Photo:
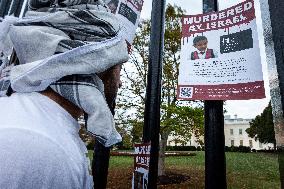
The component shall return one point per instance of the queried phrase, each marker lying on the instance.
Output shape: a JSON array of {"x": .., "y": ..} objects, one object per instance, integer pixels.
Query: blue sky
[{"x": 244, "y": 108}]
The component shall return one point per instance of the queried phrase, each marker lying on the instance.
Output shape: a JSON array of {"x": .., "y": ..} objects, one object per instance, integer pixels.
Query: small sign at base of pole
[{"x": 141, "y": 166}]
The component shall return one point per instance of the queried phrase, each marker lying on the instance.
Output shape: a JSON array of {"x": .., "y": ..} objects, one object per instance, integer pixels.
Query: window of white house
[
  {"x": 260, "y": 145},
  {"x": 241, "y": 142},
  {"x": 232, "y": 143},
  {"x": 240, "y": 131},
  {"x": 231, "y": 131},
  {"x": 250, "y": 143}
]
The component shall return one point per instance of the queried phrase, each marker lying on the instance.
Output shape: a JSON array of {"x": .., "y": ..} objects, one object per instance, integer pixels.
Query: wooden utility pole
[{"x": 215, "y": 160}]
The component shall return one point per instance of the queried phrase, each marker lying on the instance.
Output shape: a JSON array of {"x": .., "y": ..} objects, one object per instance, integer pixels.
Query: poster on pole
[
  {"x": 220, "y": 56},
  {"x": 141, "y": 166},
  {"x": 128, "y": 11}
]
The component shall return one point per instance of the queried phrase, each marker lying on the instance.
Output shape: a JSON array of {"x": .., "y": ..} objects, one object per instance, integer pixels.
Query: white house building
[{"x": 235, "y": 135}]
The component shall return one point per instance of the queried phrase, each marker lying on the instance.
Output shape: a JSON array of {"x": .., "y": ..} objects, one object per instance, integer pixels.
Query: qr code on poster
[{"x": 186, "y": 92}]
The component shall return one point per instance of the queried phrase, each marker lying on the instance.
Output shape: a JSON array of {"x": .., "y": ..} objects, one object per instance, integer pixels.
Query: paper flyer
[
  {"x": 141, "y": 166},
  {"x": 220, "y": 56},
  {"x": 128, "y": 11}
]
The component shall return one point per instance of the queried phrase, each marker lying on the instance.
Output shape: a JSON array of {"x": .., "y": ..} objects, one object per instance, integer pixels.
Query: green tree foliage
[
  {"x": 262, "y": 127},
  {"x": 181, "y": 119}
]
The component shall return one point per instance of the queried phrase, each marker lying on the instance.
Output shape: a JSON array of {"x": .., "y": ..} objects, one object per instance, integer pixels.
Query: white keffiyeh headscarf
[{"x": 64, "y": 46}]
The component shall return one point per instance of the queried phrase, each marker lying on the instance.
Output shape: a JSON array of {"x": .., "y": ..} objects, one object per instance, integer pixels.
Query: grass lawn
[{"x": 244, "y": 171}]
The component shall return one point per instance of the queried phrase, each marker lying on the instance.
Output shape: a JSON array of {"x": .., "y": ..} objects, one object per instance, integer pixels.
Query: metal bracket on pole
[
  {"x": 215, "y": 160},
  {"x": 153, "y": 92}
]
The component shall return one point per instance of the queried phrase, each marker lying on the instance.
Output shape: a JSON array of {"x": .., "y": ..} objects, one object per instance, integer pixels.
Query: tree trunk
[{"x": 163, "y": 144}]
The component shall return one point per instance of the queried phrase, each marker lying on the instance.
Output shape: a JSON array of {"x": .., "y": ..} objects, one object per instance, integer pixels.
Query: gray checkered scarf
[{"x": 64, "y": 45}]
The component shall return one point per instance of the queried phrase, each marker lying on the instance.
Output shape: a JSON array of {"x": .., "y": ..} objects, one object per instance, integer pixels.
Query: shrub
[
  {"x": 198, "y": 148},
  {"x": 227, "y": 149},
  {"x": 181, "y": 148},
  {"x": 244, "y": 149},
  {"x": 121, "y": 146},
  {"x": 91, "y": 145},
  {"x": 267, "y": 151}
]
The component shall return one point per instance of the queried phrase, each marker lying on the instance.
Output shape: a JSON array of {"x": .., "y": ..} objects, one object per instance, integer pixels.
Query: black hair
[{"x": 199, "y": 38}]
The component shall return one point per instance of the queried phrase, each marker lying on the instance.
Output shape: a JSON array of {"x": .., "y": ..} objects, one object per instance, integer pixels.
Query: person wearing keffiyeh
[{"x": 63, "y": 46}]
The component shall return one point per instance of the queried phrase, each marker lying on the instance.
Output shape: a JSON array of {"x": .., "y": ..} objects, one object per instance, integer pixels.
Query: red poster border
[{"x": 256, "y": 91}]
